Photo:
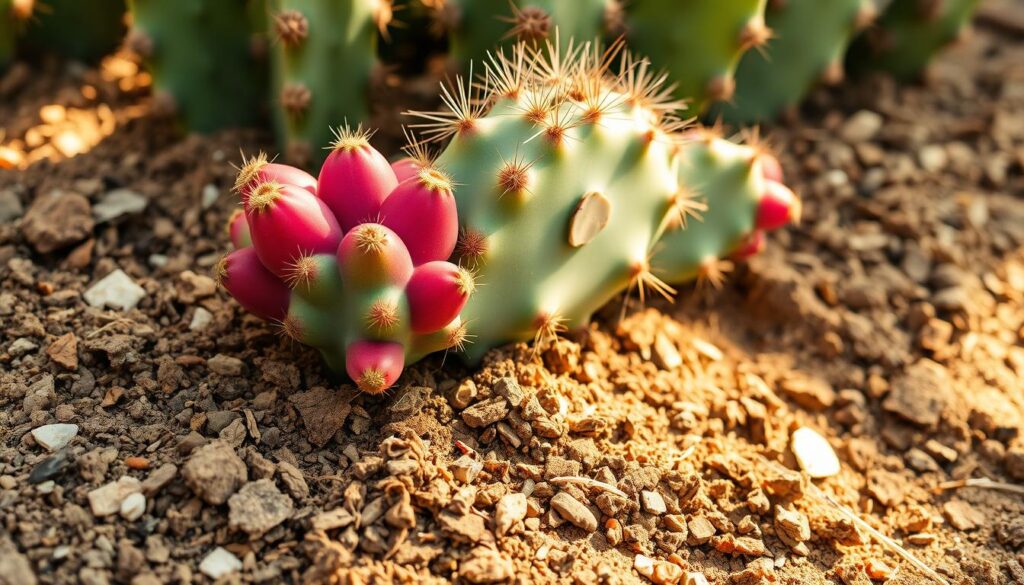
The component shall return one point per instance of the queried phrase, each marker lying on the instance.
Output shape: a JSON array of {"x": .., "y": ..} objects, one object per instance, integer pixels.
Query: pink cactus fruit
[
  {"x": 372, "y": 254},
  {"x": 437, "y": 292},
  {"x": 422, "y": 211},
  {"x": 751, "y": 245},
  {"x": 288, "y": 222},
  {"x": 258, "y": 170},
  {"x": 406, "y": 168},
  {"x": 778, "y": 207},
  {"x": 771, "y": 169},
  {"x": 252, "y": 285},
  {"x": 355, "y": 179},
  {"x": 374, "y": 365},
  {"x": 238, "y": 230}
]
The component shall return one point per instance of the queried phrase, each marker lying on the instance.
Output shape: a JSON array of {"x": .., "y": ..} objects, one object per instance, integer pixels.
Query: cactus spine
[
  {"x": 910, "y": 32},
  {"x": 699, "y": 42},
  {"x": 324, "y": 55},
  {"x": 199, "y": 53}
]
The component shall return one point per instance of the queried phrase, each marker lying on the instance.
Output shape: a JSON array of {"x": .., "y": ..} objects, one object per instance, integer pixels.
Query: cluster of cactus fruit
[{"x": 563, "y": 182}]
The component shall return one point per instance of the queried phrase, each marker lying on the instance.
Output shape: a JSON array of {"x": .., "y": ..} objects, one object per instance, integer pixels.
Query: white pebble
[
  {"x": 200, "y": 319},
  {"x": 813, "y": 453},
  {"x": 133, "y": 507},
  {"x": 116, "y": 290},
  {"x": 106, "y": 500},
  {"x": 55, "y": 437},
  {"x": 210, "y": 195},
  {"x": 219, "y": 562},
  {"x": 117, "y": 203}
]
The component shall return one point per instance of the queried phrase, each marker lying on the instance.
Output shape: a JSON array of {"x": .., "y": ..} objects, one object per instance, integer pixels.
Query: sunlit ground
[{"x": 64, "y": 132}]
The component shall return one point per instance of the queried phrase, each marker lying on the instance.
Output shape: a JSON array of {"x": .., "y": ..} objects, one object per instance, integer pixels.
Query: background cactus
[
  {"x": 699, "y": 42},
  {"x": 204, "y": 57},
  {"x": 85, "y": 31},
  {"x": 477, "y": 26},
  {"x": 324, "y": 55},
  {"x": 909, "y": 33},
  {"x": 809, "y": 40},
  {"x": 13, "y": 16},
  {"x": 371, "y": 296}
]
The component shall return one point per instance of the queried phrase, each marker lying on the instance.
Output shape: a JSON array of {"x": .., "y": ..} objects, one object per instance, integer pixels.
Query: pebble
[
  {"x": 219, "y": 562},
  {"x": 511, "y": 509},
  {"x": 258, "y": 507},
  {"x": 932, "y": 158},
  {"x": 701, "y": 530},
  {"x": 921, "y": 394},
  {"x": 10, "y": 206},
  {"x": 658, "y": 571},
  {"x": 226, "y": 365},
  {"x": 486, "y": 412},
  {"x": 210, "y": 195},
  {"x": 666, "y": 354},
  {"x": 133, "y": 507},
  {"x": 116, "y": 290},
  {"x": 21, "y": 346},
  {"x": 814, "y": 394},
  {"x": 861, "y": 127},
  {"x": 963, "y": 516},
  {"x": 695, "y": 579},
  {"x": 573, "y": 511},
  {"x": 486, "y": 565},
  {"x": 652, "y": 502},
  {"x": 64, "y": 351},
  {"x": 106, "y": 500},
  {"x": 57, "y": 220},
  {"x": 50, "y": 467},
  {"x": 214, "y": 472},
  {"x": 466, "y": 468},
  {"x": 117, "y": 203},
  {"x": 814, "y": 454},
  {"x": 56, "y": 436},
  {"x": 200, "y": 319}
]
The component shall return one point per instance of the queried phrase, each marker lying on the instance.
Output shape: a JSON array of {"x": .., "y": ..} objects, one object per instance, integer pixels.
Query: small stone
[
  {"x": 570, "y": 509},
  {"x": 218, "y": 563},
  {"x": 225, "y": 365},
  {"x": 486, "y": 412},
  {"x": 963, "y": 516},
  {"x": 57, "y": 220},
  {"x": 1014, "y": 463},
  {"x": 861, "y": 127},
  {"x": 695, "y": 579},
  {"x": 117, "y": 203},
  {"x": 591, "y": 215},
  {"x": 116, "y": 291},
  {"x": 652, "y": 502},
  {"x": 877, "y": 570},
  {"x": 64, "y": 351},
  {"x": 463, "y": 394},
  {"x": 920, "y": 395},
  {"x": 486, "y": 565},
  {"x": 218, "y": 420},
  {"x": 814, "y": 394},
  {"x": 10, "y": 206},
  {"x": 50, "y": 467},
  {"x": 56, "y": 436},
  {"x": 932, "y": 157},
  {"x": 466, "y": 468},
  {"x": 106, "y": 500},
  {"x": 511, "y": 508},
  {"x": 200, "y": 319},
  {"x": 214, "y": 472},
  {"x": 258, "y": 507},
  {"x": 193, "y": 287},
  {"x": 792, "y": 526},
  {"x": 666, "y": 354},
  {"x": 701, "y": 530},
  {"x": 21, "y": 346},
  {"x": 814, "y": 453},
  {"x": 511, "y": 390},
  {"x": 133, "y": 507}
]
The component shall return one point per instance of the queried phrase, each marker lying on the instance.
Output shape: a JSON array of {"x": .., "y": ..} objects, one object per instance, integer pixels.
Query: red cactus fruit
[
  {"x": 355, "y": 179},
  {"x": 252, "y": 285},
  {"x": 778, "y": 207},
  {"x": 238, "y": 230},
  {"x": 751, "y": 245},
  {"x": 437, "y": 292},
  {"x": 258, "y": 170},
  {"x": 422, "y": 211},
  {"x": 372, "y": 254},
  {"x": 288, "y": 222},
  {"x": 406, "y": 168},
  {"x": 374, "y": 365}
]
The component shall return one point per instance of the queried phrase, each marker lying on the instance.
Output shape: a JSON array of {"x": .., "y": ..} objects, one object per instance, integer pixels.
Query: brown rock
[
  {"x": 57, "y": 220},
  {"x": 486, "y": 412},
  {"x": 323, "y": 411},
  {"x": 886, "y": 487},
  {"x": 813, "y": 394},
  {"x": 570, "y": 509},
  {"x": 64, "y": 351},
  {"x": 258, "y": 507},
  {"x": 921, "y": 394},
  {"x": 485, "y": 565},
  {"x": 962, "y": 515},
  {"x": 701, "y": 530},
  {"x": 214, "y": 472}
]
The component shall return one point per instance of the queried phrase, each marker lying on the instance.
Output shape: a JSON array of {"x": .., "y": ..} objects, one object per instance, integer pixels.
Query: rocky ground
[{"x": 151, "y": 432}]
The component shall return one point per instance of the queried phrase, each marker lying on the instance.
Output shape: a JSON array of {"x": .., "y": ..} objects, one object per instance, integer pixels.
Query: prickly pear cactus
[
  {"x": 324, "y": 55},
  {"x": 739, "y": 194},
  {"x": 86, "y": 31},
  {"x": 699, "y": 42},
  {"x": 809, "y": 40},
  {"x": 352, "y": 262},
  {"x": 909, "y": 33},
  {"x": 565, "y": 186},
  {"x": 478, "y": 26},
  {"x": 199, "y": 52}
]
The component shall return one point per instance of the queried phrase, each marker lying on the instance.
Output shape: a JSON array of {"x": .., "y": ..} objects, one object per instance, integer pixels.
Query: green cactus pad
[
  {"x": 909, "y": 33},
  {"x": 809, "y": 38},
  {"x": 86, "y": 31},
  {"x": 324, "y": 54},
  {"x": 699, "y": 42},
  {"x": 13, "y": 16},
  {"x": 478, "y": 26},
  {"x": 202, "y": 58}
]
